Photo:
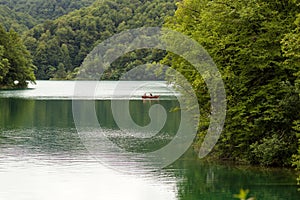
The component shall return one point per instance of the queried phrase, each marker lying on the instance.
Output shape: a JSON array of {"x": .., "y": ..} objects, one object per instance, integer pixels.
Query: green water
[{"x": 43, "y": 157}]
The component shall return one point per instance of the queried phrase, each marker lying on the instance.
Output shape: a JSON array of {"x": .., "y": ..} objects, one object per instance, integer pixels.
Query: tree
[
  {"x": 4, "y": 64},
  {"x": 61, "y": 72},
  {"x": 15, "y": 61}
]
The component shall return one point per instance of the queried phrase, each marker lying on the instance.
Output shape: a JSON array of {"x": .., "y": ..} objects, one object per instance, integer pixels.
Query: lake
[{"x": 43, "y": 156}]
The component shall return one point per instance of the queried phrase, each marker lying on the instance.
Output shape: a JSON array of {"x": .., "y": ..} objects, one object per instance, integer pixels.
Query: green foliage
[
  {"x": 21, "y": 15},
  {"x": 15, "y": 61},
  {"x": 245, "y": 40},
  {"x": 68, "y": 39},
  {"x": 42, "y": 10},
  {"x": 4, "y": 64},
  {"x": 134, "y": 59},
  {"x": 291, "y": 50},
  {"x": 61, "y": 72},
  {"x": 15, "y": 20},
  {"x": 243, "y": 195},
  {"x": 270, "y": 151}
]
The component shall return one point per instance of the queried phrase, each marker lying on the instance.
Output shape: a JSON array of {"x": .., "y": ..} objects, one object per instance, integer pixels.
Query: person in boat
[
  {"x": 145, "y": 94},
  {"x": 149, "y": 95}
]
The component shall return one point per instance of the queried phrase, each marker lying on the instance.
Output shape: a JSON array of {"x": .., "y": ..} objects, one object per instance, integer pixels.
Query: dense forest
[
  {"x": 59, "y": 47},
  {"x": 254, "y": 43},
  {"x": 17, "y": 21},
  {"x": 25, "y": 14}
]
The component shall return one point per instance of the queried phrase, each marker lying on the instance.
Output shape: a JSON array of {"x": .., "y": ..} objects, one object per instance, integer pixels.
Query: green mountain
[
  {"x": 18, "y": 21},
  {"x": 31, "y": 12},
  {"x": 59, "y": 46}
]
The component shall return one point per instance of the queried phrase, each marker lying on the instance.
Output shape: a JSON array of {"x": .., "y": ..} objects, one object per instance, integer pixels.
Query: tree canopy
[
  {"x": 255, "y": 44},
  {"x": 23, "y": 14},
  {"x": 16, "y": 66},
  {"x": 17, "y": 21}
]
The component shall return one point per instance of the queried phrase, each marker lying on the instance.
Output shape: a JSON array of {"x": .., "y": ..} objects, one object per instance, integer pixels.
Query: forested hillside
[
  {"x": 20, "y": 16},
  {"x": 59, "y": 46},
  {"x": 23, "y": 14},
  {"x": 255, "y": 44},
  {"x": 17, "y": 21}
]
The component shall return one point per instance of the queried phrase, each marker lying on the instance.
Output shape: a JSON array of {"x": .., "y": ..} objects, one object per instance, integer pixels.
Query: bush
[{"x": 270, "y": 151}]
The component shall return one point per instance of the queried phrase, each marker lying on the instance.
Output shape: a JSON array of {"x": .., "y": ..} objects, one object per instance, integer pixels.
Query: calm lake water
[{"x": 42, "y": 156}]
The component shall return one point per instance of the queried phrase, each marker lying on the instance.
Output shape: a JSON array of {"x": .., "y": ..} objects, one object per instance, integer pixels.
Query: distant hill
[
  {"x": 18, "y": 21},
  {"x": 24, "y": 14},
  {"x": 59, "y": 46}
]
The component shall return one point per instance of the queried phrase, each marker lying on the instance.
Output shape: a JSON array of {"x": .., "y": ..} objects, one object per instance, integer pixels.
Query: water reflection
[
  {"x": 42, "y": 157},
  {"x": 202, "y": 180}
]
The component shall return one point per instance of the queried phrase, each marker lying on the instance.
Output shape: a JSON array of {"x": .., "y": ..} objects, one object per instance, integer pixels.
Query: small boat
[{"x": 149, "y": 96}]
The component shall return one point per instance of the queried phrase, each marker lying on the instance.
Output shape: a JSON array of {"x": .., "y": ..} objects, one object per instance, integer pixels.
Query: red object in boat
[{"x": 149, "y": 96}]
